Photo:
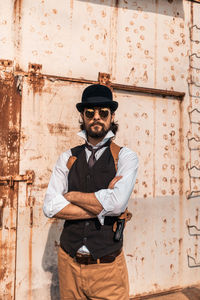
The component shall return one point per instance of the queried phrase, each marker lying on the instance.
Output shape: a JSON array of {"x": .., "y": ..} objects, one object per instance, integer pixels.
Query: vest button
[{"x": 84, "y": 239}]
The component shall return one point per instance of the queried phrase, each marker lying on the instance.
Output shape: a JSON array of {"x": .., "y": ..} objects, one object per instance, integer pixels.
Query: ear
[
  {"x": 81, "y": 117},
  {"x": 112, "y": 117}
]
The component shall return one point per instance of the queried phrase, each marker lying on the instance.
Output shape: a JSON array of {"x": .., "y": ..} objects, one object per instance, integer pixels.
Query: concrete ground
[{"x": 190, "y": 293}]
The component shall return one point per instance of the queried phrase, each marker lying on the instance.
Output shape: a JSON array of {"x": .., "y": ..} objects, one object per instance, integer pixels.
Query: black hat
[{"x": 97, "y": 95}]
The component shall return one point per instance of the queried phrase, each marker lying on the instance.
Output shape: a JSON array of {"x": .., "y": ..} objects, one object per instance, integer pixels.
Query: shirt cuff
[
  {"x": 101, "y": 216},
  {"x": 101, "y": 196}
]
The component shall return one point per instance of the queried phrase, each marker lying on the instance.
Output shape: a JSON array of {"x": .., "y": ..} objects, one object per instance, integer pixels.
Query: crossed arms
[
  {"x": 112, "y": 201},
  {"x": 83, "y": 205}
]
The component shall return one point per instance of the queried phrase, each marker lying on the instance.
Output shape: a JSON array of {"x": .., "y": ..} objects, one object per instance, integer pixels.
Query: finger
[{"x": 117, "y": 178}]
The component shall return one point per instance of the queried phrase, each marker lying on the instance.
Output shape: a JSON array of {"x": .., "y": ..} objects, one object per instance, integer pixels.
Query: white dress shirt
[{"x": 114, "y": 201}]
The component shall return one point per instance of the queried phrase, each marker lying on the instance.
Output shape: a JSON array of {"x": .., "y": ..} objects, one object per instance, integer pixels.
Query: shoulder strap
[
  {"x": 75, "y": 153},
  {"x": 71, "y": 161},
  {"x": 114, "y": 148}
]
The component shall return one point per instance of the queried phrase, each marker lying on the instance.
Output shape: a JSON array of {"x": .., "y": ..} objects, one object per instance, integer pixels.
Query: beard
[{"x": 96, "y": 133}]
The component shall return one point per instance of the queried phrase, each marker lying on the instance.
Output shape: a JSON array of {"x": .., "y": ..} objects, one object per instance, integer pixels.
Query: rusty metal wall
[
  {"x": 10, "y": 109},
  {"x": 53, "y": 49}
]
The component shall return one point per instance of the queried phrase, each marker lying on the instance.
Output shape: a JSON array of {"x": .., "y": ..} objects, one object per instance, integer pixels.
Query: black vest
[{"x": 89, "y": 232}]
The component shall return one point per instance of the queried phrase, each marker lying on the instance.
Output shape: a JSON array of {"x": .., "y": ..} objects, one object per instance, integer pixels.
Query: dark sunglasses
[{"x": 90, "y": 112}]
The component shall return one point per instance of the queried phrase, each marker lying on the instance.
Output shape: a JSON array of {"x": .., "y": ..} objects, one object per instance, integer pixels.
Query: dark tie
[{"x": 92, "y": 158}]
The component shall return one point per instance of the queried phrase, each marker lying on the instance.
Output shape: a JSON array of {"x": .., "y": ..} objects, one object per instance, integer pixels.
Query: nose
[{"x": 96, "y": 115}]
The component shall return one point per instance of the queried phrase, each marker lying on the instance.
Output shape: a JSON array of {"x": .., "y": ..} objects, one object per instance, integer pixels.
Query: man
[{"x": 86, "y": 191}]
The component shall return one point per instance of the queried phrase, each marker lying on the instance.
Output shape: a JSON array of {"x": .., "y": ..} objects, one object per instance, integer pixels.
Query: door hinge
[{"x": 10, "y": 179}]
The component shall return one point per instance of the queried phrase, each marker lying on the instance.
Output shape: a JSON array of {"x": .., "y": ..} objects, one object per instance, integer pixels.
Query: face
[{"x": 97, "y": 121}]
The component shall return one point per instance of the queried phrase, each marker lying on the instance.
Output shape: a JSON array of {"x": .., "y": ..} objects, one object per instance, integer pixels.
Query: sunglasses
[{"x": 90, "y": 112}]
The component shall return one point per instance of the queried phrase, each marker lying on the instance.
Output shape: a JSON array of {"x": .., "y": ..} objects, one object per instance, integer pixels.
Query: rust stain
[
  {"x": 35, "y": 157},
  {"x": 35, "y": 78},
  {"x": 131, "y": 255},
  {"x": 197, "y": 215},
  {"x": 30, "y": 265},
  {"x": 2, "y": 273},
  {"x": 10, "y": 115},
  {"x": 17, "y": 9},
  {"x": 5, "y": 63},
  {"x": 58, "y": 129},
  {"x": 8, "y": 285},
  {"x": 42, "y": 186}
]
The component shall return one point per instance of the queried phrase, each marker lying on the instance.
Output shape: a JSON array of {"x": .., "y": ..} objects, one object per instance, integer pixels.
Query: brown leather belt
[{"x": 87, "y": 259}]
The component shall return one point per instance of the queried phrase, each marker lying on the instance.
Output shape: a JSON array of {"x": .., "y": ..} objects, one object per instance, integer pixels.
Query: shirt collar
[{"x": 109, "y": 135}]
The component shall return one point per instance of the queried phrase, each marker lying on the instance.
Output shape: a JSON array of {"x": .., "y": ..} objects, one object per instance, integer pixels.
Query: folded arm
[
  {"x": 88, "y": 201},
  {"x": 55, "y": 204},
  {"x": 115, "y": 201},
  {"x": 74, "y": 212}
]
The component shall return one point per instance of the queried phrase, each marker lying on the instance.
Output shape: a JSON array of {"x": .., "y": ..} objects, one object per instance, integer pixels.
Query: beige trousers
[{"x": 107, "y": 281}]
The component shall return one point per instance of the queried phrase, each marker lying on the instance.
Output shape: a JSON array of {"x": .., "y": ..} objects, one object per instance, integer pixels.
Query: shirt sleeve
[
  {"x": 115, "y": 201},
  {"x": 54, "y": 200}
]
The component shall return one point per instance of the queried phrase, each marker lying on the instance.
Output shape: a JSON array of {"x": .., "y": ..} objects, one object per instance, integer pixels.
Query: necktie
[{"x": 92, "y": 158}]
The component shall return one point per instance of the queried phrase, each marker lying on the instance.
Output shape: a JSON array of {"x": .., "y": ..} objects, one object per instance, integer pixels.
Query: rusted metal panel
[
  {"x": 51, "y": 25},
  {"x": 156, "y": 194},
  {"x": 107, "y": 36},
  {"x": 58, "y": 47},
  {"x": 49, "y": 126},
  {"x": 10, "y": 104},
  {"x": 151, "y": 128},
  {"x": 6, "y": 24}
]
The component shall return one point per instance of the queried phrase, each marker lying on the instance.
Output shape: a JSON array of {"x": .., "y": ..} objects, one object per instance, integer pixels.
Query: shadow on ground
[{"x": 192, "y": 293}]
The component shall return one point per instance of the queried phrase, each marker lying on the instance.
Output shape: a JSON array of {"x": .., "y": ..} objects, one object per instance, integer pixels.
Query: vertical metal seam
[
  {"x": 154, "y": 103},
  {"x": 113, "y": 38},
  {"x": 180, "y": 244},
  {"x": 17, "y": 206},
  {"x": 190, "y": 75}
]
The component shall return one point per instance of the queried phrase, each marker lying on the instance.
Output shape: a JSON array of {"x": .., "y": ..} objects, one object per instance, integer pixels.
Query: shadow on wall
[
  {"x": 49, "y": 259},
  {"x": 165, "y": 7}
]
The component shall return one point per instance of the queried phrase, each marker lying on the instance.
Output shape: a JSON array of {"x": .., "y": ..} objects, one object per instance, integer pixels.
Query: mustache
[{"x": 97, "y": 123}]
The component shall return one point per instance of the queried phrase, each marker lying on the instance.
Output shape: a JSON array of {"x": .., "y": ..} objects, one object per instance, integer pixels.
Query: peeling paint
[{"x": 58, "y": 128}]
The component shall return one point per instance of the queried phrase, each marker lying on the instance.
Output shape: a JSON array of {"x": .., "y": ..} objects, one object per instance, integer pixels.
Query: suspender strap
[
  {"x": 114, "y": 148},
  {"x": 71, "y": 161}
]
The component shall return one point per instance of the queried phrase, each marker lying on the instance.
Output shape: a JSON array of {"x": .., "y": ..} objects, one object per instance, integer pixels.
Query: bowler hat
[{"x": 97, "y": 95}]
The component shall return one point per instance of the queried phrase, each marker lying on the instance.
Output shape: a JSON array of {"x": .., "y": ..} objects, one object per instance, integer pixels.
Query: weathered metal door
[
  {"x": 10, "y": 105},
  {"x": 57, "y": 48}
]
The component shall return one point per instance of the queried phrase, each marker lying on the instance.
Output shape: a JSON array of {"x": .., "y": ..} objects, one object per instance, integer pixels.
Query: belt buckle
[{"x": 82, "y": 259}]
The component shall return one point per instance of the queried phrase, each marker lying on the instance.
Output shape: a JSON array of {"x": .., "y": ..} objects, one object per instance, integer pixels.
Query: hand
[
  {"x": 113, "y": 181},
  {"x": 68, "y": 196}
]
